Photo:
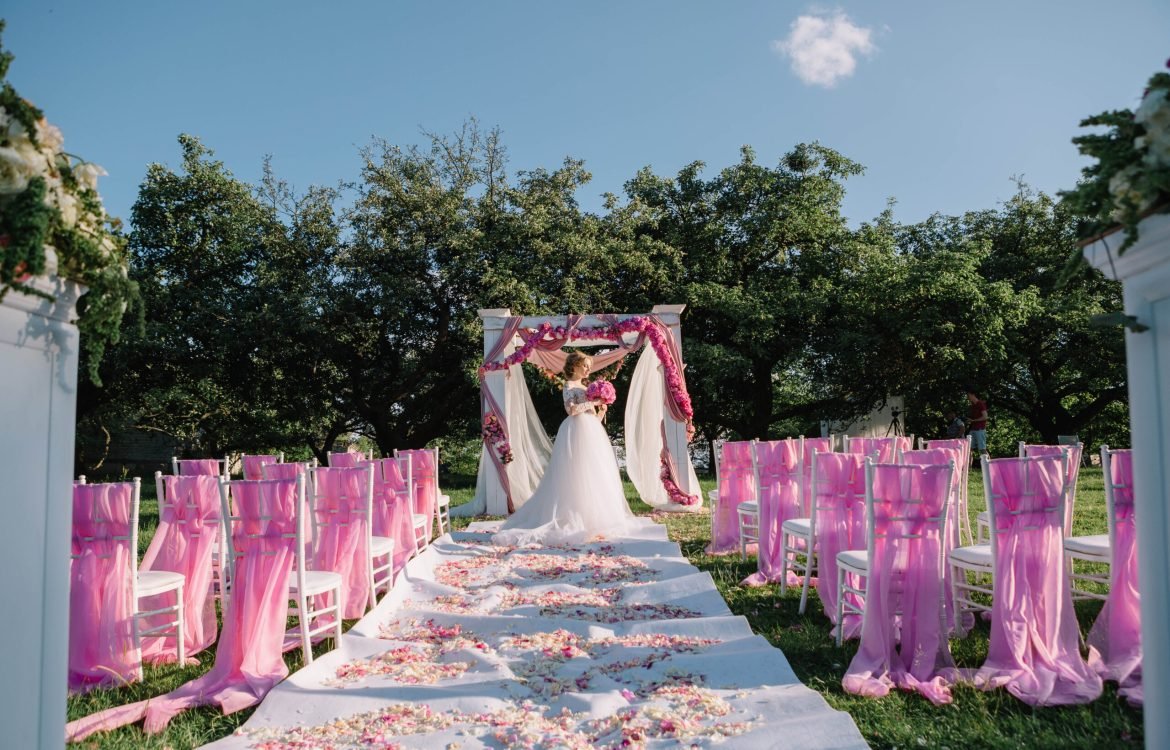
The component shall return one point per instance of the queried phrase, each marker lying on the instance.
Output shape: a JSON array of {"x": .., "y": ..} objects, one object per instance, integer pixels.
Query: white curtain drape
[
  {"x": 531, "y": 448},
  {"x": 645, "y": 410}
]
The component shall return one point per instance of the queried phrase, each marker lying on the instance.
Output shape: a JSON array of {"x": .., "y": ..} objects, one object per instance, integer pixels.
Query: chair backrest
[
  {"x": 888, "y": 449},
  {"x": 216, "y": 467},
  {"x": 776, "y": 469},
  {"x": 287, "y": 469},
  {"x": 252, "y": 467},
  {"x": 347, "y": 460},
  {"x": 1117, "y": 469},
  {"x": 1025, "y": 498},
  {"x": 103, "y": 584},
  {"x": 424, "y": 468},
  {"x": 265, "y": 517},
  {"x": 1071, "y": 455},
  {"x": 342, "y": 510},
  {"x": 839, "y": 495},
  {"x": 393, "y": 482},
  {"x": 735, "y": 469}
]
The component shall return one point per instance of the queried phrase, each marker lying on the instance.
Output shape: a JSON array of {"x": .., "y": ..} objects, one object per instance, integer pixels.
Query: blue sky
[{"x": 941, "y": 102}]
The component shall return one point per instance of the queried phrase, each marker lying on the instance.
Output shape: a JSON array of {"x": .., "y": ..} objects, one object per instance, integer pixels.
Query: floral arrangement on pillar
[
  {"x": 1131, "y": 177},
  {"x": 52, "y": 220}
]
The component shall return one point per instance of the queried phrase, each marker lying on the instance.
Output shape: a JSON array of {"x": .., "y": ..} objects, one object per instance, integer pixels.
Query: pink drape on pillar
[
  {"x": 736, "y": 485},
  {"x": 426, "y": 480},
  {"x": 342, "y": 544},
  {"x": 347, "y": 460},
  {"x": 943, "y": 457},
  {"x": 840, "y": 509},
  {"x": 887, "y": 448},
  {"x": 188, "y": 533},
  {"x": 778, "y": 466},
  {"x": 1115, "y": 641},
  {"x": 1035, "y": 640},
  {"x": 199, "y": 466},
  {"x": 393, "y": 509},
  {"x": 1073, "y": 469},
  {"x": 905, "y": 591},
  {"x": 248, "y": 661},
  {"x": 253, "y": 466},
  {"x": 101, "y": 610}
]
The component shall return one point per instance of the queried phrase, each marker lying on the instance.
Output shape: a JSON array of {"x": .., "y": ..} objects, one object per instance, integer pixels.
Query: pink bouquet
[{"x": 601, "y": 390}]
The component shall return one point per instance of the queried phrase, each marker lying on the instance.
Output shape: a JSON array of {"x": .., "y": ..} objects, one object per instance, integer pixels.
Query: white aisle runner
[{"x": 609, "y": 644}]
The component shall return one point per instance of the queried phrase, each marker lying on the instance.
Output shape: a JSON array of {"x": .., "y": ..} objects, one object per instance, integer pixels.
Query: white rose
[
  {"x": 13, "y": 172},
  {"x": 1125, "y": 195},
  {"x": 87, "y": 174},
  {"x": 38, "y": 163},
  {"x": 16, "y": 131},
  {"x": 67, "y": 205},
  {"x": 1154, "y": 112},
  {"x": 49, "y": 136},
  {"x": 1157, "y": 148}
]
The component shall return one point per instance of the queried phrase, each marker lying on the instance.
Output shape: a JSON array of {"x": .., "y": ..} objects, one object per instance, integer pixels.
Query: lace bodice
[{"x": 575, "y": 401}]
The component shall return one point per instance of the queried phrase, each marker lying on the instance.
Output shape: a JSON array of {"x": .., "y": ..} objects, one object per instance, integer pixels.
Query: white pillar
[
  {"x": 493, "y": 325},
  {"x": 38, "y": 380},
  {"x": 1144, "y": 271},
  {"x": 676, "y": 432}
]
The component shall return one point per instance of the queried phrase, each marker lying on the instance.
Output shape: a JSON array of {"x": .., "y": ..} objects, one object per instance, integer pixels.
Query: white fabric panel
[{"x": 644, "y": 412}]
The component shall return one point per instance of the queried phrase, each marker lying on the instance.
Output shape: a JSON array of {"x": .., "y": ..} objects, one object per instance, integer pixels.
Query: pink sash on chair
[
  {"x": 101, "y": 635},
  {"x": 426, "y": 480},
  {"x": 942, "y": 457},
  {"x": 736, "y": 485},
  {"x": 253, "y": 466},
  {"x": 345, "y": 460},
  {"x": 1115, "y": 641},
  {"x": 392, "y": 509},
  {"x": 778, "y": 465},
  {"x": 248, "y": 661},
  {"x": 819, "y": 445},
  {"x": 905, "y": 589},
  {"x": 1074, "y": 469},
  {"x": 887, "y": 448},
  {"x": 342, "y": 543},
  {"x": 1035, "y": 639},
  {"x": 840, "y": 509},
  {"x": 199, "y": 467},
  {"x": 188, "y": 532}
]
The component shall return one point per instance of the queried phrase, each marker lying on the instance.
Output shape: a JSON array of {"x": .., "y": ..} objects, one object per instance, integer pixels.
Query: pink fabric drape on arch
[
  {"x": 887, "y": 448},
  {"x": 199, "y": 466},
  {"x": 736, "y": 485},
  {"x": 1035, "y": 639},
  {"x": 426, "y": 480},
  {"x": 1115, "y": 641},
  {"x": 188, "y": 532},
  {"x": 248, "y": 661},
  {"x": 101, "y": 635},
  {"x": 253, "y": 466},
  {"x": 342, "y": 544},
  {"x": 942, "y": 457},
  {"x": 348, "y": 460},
  {"x": 905, "y": 589},
  {"x": 840, "y": 508},
  {"x": 1073, "y": 467},
  {"x": 393, "y": 508},
  {"x": 778, "y": 463},
  {"x": 550, "y": 354}
]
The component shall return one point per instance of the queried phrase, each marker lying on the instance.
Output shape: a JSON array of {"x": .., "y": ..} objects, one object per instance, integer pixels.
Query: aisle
[{"x": 588, "y": 646}]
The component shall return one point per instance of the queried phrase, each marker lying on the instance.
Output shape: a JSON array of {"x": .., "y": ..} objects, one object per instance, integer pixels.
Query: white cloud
[{"x": 823, "y": 48}]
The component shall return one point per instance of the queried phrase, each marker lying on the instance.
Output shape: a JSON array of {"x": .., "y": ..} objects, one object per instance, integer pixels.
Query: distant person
[
  {"x": 977, "y": 422},
  {"x": 956, "y": 428}
]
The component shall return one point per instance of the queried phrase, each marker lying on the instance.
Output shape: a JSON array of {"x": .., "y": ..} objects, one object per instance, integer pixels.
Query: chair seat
[
  {"x": 749, "y": 506},
  {"x": 1096, "y": 545},
  {"x": 713, "y": 496},
  {"x": 984, "y": 518},
  {"x": 151, "y": 582},
  {"x": 444, "y": 500},
  {"x": 797, "y": 526},
  {"x": 421, "y": 520},
  {"x": 978, "y": 555},
  {"x": 855, "y": 560},
  {"x": 316, "y": 582},
  {"x": 381, "y": 545}
]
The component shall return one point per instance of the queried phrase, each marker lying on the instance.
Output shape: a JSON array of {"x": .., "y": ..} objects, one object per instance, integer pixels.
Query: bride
[{"x": 581, "y": 495}]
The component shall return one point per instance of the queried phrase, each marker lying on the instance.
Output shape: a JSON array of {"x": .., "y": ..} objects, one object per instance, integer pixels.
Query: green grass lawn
[{"x": 976, "y": 719}]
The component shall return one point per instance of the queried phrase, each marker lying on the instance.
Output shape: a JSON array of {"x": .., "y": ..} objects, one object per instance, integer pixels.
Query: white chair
[
  {"x": 1071, "y": 454},
  {"x": 378, "y": 546},
  {"x": 1094, "y": 548},
  {"x": 220, "y": 581},
  {"x": 385, "y": 491},
  {"x": 442, "y": 503},
  {"x": 748, "y": 512},
  {"x": 148, "y": 583},
  {"x": 799, "y": 535},
  {"x": 224, "y": 465},
  {"x": 304, "y": 586}
]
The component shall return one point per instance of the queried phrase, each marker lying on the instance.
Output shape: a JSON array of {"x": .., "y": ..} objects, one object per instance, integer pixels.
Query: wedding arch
[{"x": 658, "y": 414}]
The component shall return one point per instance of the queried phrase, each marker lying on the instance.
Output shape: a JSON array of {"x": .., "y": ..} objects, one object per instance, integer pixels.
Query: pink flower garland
[{"x": 493, "y": 435}]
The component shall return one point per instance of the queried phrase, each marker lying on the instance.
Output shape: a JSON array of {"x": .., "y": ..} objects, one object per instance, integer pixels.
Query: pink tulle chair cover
[
  {"x": 1073, "y": 467},
  {"x": 736, "y": 485},
  {"x": 290, "y": 470},
  {"x": 905, "y": 590},
  {"x": 840, "y": 508},
  {"x": 188, "y": 533},
  {"x": 348, "y": 460},
  {"x": 779, "y": 466},
  {"x": 943, "y": 457},
  {"x": 811, "y": 445},
  {"x": 101, "y": 610},
  {"x": 887, "y": 448},
  {"x": 1115, "y": 641},
  {"x": 253, "y": 466},
  {"x": 342, "y": 542},
  {"x": 1035, "y": 639},
  {"x": 199, "y": 466},
  {"x": 392, "y": 508},
  {"x": 248, "y": 661},
  {"x": 426, "y": 480}
]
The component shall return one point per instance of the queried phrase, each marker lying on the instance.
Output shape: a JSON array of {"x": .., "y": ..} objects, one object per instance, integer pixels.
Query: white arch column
[
  {"x": 676, "y": 432},
  {"x": 494, "y": 320}
]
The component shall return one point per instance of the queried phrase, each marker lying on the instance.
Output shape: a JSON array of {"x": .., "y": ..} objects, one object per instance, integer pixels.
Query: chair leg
[
  {"x": 303, "y": 624},
  {"x": 956, "y": 598},
  {"x": 180, "y": 627},
  {"x": 783, "y": 564},
  {"x": 840, "y": 606},
  {"x": 337, "y": 620},
  {"x": 809, "y": 562}
]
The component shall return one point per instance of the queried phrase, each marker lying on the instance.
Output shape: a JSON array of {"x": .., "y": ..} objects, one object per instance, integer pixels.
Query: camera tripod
[{"x": 895, "y": 427}]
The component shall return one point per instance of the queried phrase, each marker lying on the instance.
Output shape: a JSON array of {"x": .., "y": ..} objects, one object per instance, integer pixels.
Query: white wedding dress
[{"x": 580, "y": 496}]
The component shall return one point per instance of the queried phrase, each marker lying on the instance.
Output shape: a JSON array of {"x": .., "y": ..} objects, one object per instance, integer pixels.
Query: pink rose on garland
[{"x": 602, "y": 391}]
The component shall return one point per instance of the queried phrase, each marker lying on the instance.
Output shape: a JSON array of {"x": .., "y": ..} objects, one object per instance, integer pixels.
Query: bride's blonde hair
[{"x": 573, "y": 361}]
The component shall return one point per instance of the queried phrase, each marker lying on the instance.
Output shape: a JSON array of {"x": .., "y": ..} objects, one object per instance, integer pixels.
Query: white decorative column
[
  {"x": 676, "y": 432},
  {"x": 38, "y": 398},
  {"x": 493, "y": 325},
  {"x": 1144, "y": 271}
]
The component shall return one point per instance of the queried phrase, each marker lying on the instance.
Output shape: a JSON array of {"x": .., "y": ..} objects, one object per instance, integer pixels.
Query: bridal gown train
[{"x": 581, "y": 495}]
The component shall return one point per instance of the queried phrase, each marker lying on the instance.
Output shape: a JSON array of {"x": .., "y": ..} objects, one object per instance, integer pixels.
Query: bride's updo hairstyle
[{"x": 573, "y": 361}]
